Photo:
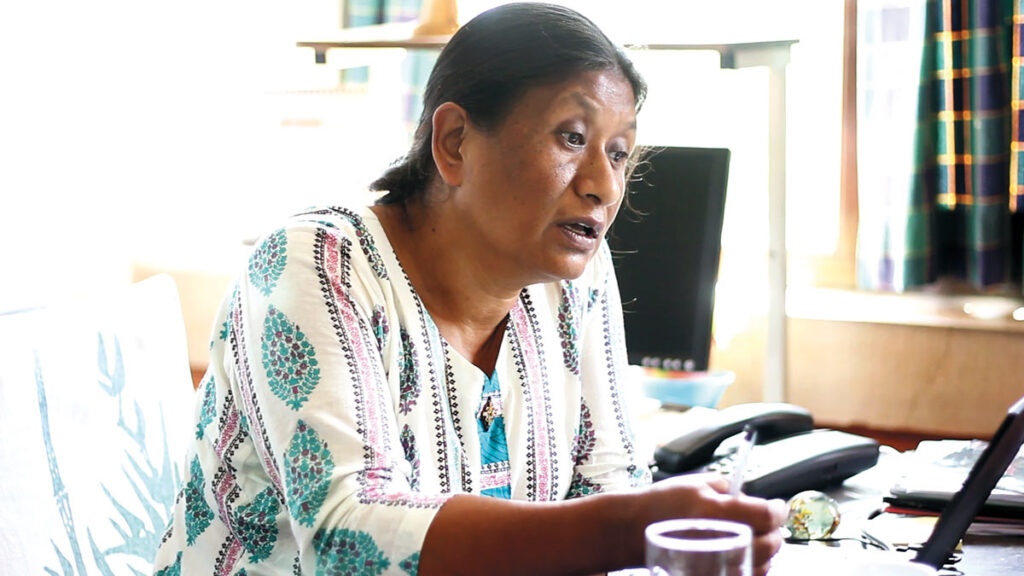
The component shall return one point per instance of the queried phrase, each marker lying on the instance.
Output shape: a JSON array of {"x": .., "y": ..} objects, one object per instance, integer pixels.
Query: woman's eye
[
  {"x": 619, "y": 156},
  {"x": 573, "y": 138}
]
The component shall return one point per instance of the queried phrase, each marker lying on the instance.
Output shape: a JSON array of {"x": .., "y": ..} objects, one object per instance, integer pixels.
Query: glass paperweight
[{"x": 813, "y": 515}]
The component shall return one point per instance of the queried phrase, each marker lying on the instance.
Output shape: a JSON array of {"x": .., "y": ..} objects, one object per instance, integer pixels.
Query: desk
[
  {"x": 858, "y": 497},
  {"x": 862, "y": 494}
]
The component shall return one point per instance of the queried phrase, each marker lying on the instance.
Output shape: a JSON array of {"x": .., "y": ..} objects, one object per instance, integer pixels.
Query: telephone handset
[
  {"x": 791, "y": 455},
  {"x": 697, "y": 447}
]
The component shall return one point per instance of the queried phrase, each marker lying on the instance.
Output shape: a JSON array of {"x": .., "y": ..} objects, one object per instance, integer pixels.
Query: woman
[{"x": 429, "y": 385}]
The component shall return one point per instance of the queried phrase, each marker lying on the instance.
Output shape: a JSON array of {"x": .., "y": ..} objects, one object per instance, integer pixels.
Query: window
[{"x": 138, "y": 131}]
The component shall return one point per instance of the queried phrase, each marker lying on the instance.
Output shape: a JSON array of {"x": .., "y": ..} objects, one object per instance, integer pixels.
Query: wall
[{"x": 947, "y": 381}]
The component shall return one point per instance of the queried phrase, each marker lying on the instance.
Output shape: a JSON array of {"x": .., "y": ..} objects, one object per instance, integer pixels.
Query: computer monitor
[{"x": 666, "y": 254}]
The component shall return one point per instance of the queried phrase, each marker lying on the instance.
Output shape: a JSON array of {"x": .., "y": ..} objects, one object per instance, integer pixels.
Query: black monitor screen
[{"x": 666, "y": 252}]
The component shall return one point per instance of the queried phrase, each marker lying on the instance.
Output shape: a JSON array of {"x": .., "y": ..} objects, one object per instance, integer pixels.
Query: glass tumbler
[{"x": 698, "y": 547}]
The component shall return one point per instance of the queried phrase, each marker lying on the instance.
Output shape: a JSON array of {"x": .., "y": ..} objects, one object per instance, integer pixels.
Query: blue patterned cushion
[{"x": 95, "y": 411}]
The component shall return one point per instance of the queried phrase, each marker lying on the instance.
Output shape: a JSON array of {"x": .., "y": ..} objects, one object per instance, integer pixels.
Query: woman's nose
[{"x": 599, "y": 179}]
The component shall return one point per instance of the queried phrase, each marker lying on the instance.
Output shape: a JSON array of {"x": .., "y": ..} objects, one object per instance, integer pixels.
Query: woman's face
[{"x": 539, "y": 192}]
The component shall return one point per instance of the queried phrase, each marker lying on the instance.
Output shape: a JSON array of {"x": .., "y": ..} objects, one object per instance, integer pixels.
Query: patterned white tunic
[{"x": 334, "y": 420}]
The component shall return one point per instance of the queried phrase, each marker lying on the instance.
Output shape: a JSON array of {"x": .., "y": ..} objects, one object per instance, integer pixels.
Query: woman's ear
[{"x": 450, "y": 123}]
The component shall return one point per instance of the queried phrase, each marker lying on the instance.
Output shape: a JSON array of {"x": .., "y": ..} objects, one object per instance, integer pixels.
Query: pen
[{"x": 742, "y": 454}]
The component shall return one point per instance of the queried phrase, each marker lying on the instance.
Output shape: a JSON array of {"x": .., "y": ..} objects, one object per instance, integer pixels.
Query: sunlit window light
[{"x": 143, "y": 133}]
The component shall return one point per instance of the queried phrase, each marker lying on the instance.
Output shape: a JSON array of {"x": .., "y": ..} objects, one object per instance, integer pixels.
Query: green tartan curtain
[{"x": 939, "y": 143}]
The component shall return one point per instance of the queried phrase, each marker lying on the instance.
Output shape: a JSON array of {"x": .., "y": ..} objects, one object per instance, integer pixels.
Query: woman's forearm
[{"x": 475, "y": 534}]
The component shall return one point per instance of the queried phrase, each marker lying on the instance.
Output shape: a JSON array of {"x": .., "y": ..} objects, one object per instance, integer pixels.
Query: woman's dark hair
[{"x": 490, "y": 63}]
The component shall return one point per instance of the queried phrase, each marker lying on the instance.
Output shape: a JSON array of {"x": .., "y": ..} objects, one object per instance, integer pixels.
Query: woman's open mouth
[
  {"x": 582, "y": 234},
  {"x": 582, "y": 229}
]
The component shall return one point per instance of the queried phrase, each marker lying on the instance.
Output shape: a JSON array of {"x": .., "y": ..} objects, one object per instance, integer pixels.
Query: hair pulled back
[{"x": 491, "y": 62}]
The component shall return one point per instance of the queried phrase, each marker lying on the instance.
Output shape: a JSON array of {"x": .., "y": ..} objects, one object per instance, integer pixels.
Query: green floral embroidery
[
  {"x": 638, "y": 476},
  {"x": 289, "y": 359},
  {"x": 582, "y": 486},
  {"x": 411, "y": 565},
  {"x": 586, "y": 438},
  {"x": 567, "y": 329},
  {"x": 198, "y": 514},
  {"x": 256, "y": 524},
  {"x": 267, "y": 262},
  {"x": 411, "y": 455},
  {"x": 223, "y": 334},
  {"x": 409, "y": 385},
  {"x": 345, "y": 552},
  {"x": 209, "y": 407},
  {"x": 225, "y": 327},
  {"x": 379, "y": 323},
  {"x": 582, "y": 449},
  {"x": 172, "y": 570},
  {"x": 308, "y": 474}
]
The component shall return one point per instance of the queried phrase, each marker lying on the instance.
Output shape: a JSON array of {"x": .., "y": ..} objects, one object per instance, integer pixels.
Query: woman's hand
[{"x": 706, "y": 496}]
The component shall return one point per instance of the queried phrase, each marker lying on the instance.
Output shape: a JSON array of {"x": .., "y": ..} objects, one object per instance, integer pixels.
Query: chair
[{"x": 96, "y": 405}]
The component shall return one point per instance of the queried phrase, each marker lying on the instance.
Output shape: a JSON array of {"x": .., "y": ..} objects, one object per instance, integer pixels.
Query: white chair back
[{"x": 96, "y": 405}]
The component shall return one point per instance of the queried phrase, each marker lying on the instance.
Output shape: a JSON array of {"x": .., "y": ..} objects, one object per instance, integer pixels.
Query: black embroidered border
[
  {"x": 240, "y": 354},
  {"x": 344, "y": 271},
  {"x": 453, "y": 406},
  {"x": 365, "y": 240},
  {"x": 613, "y": 382},
  {"x": 322, "y": 274},
  {"x": 531, "y": 316},
  {"x": 438, "y": 402}
]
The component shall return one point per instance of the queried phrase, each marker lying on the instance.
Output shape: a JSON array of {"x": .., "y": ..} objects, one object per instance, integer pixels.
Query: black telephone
[{"x": 790, "y": 455}]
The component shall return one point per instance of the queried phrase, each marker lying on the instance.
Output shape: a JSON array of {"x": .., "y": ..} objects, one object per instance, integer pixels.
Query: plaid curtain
[{"x": 939, "y": 132}]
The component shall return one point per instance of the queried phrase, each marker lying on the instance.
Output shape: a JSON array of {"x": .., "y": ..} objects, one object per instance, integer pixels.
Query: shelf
[{"x": 402, "y": 35}]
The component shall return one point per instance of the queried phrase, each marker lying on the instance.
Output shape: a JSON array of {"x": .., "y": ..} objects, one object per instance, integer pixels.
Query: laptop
[{"x": 953, "y": 522}]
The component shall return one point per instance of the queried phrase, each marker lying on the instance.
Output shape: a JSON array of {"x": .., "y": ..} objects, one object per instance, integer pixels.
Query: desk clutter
[
  {"x": 912, "y": 513},
  {"x": 936, "y": 470},
  {"x": 930, "y": 476}
]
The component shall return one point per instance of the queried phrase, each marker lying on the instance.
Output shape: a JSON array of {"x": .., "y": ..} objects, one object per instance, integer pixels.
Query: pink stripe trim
[
  {"x": 495, "y": 480},
  {"x": 227, "y": 434},
  {"x": 374, "y": 435},
  {"x": 533, "y": 379},
  {"x": 231, "y": 558},
  {"x": 374, "y": 495},
  {"x": 221, "y": 490}
]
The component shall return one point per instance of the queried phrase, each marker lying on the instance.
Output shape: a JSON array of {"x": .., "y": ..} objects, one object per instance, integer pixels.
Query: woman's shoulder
[
  {"x": 340, "y": 218},
  {"x": 353, "y": 230},
  {"x": 356, "y": 224}
]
